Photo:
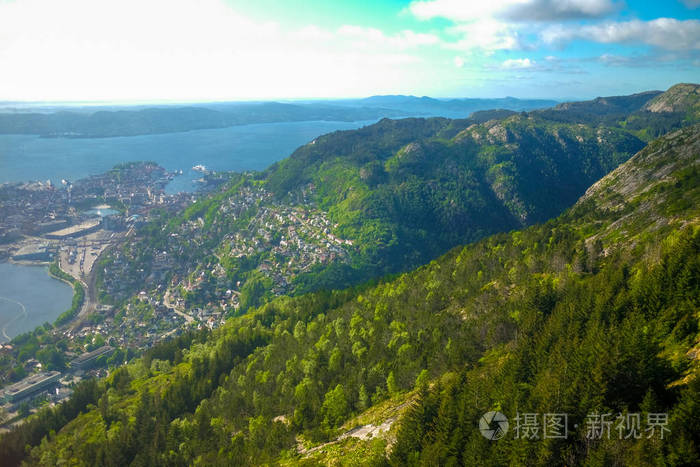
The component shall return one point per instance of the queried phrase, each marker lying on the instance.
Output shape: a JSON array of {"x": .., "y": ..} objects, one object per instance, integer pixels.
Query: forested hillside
[
  {"x": 593, "y": 312},
  {"x": 409, "y": 190},
  {"x": 355, "y": 205},
  {"x": 647, "y": 114}
]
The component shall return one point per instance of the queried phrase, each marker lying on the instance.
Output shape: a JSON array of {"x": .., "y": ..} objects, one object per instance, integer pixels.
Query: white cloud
[
  {"x": 614, "y": 60},
  {"x": 517, "y": 64},
  {"x": 408, "y": 38},
  {"x": 455, "y": 10},
  {"x": 547, "y": 65},
  {"x": 191, "y": 50},
  {"x": 313, "y": 33},
  {"x": 459, "y": 62},
  {"x": 664, "y": 33},
  {"x": 494, "y": 25},
  {"x": 372, "y": 37},
  {"x": 488, "y": 35},
  {"x": 511, "y": 10}
]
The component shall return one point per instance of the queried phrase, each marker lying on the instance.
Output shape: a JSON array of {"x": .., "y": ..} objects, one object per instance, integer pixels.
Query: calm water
[
  {"x": 239, "y": 148},
  {"x": 29, "y": 297}
]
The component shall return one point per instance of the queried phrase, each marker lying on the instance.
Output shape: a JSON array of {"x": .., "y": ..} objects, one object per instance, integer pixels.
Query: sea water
[
  {"x": 29, "y": 297},
  {"x": 237, "y": 148}
]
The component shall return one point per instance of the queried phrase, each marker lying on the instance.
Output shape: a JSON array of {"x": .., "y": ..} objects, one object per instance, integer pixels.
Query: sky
[{"x": 209, "y": 50}]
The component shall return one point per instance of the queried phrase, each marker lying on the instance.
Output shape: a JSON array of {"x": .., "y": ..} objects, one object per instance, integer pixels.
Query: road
[{"x": 168, "y": 304}]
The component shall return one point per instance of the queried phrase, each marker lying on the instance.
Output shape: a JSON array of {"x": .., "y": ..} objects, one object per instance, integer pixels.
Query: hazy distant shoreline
[{"x": 238, "y": 148}]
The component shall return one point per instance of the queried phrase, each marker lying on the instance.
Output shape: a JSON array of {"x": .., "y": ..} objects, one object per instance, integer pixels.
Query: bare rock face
[
  {"x": 682, "y": 97},
  {"x": 648, "y": 168},
  {"x": 498, "y": 134},
  {"x": 413, "y": 149}
]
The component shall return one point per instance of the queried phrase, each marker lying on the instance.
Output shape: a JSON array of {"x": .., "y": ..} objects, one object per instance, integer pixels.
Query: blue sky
[{"x": 189, "y": 50}]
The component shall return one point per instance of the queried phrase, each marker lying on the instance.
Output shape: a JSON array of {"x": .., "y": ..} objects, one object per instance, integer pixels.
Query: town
[
  {"x": 70, "y": 226},
  {"x": 138, "y": 291},
  {"x": 199, "y": 277}
]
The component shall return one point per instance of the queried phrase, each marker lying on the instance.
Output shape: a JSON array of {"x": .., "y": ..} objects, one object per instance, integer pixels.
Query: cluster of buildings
[
  {"x": 287, "y": 241},
  {"x": 37, "y": 217},
  {"x": 144, "y": 324},
  {"x": 52, "y": 384},
  {"x": 279, "y": 240},
  {"x": 40, "y": 221}
]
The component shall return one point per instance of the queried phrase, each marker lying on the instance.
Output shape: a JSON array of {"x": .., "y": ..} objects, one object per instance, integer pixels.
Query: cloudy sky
[{"x": 150, "y": 50}]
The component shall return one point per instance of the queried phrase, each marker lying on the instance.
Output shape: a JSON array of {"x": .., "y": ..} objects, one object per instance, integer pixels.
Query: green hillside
[
  {"x": 359, "y": 204},
  {"x": 595, "y": 311},
  {"x": 647, "y": 114},
  {"x": 410, "y": 189},
  {"x": 355, "y": 205}
]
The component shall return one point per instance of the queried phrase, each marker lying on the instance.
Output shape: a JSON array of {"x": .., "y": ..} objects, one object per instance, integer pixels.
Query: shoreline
[
  {"x": 247, "y": 157},
  {"x": 65, "y": 281},
  {"x": 22, "y": 313}
]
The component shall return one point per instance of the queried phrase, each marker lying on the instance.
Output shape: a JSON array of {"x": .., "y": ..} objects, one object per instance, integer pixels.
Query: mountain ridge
[
  {"x": 145, "y": 120},
  {"x": 682, "y": 97},
  {"x": 404, "y": 191},
  {"x": 400, "y": 191}
]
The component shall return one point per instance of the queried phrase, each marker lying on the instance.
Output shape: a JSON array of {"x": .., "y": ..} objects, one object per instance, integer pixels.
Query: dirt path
[{"x": 364, "y": 432}]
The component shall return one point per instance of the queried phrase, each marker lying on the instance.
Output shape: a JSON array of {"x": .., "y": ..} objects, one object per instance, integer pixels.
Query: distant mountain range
[
  {"x": 106, "y": 121},
  {"x": 452, "y": 108},
  {"x": 82, "y": 122}
]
